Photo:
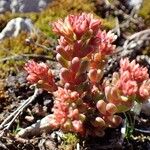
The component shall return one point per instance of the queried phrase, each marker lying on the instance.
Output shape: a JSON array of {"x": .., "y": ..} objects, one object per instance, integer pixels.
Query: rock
[
  {"x": 130, "y": 5},
  {"x": 15, "y": 26},
  {"x": 135, "y": 3},
  {"x": 23, "y": 5},
  {"x": 28, "y": 5},
  {"x": 43, "y": 125},
  {"x": 4, "y": 5}
]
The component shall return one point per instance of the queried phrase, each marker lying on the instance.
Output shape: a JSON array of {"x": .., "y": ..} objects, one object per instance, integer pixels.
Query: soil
[{"x": 16, "y": 89}]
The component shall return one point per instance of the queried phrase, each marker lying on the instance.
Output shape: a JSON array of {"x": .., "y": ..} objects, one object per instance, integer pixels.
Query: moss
[
  {"x": 12, "y": 48},
  {"x": 145, "y": 11},
  {"x": 70, "y": 141},
  {"x": 112, "y": 1},
  {"x": 145, "y": 14},
  {"x": 109, "y": 23}
]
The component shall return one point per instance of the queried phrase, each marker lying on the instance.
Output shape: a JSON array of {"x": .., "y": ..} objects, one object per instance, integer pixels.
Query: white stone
[
  {"x": 4, "y": 5},
  {"x": 136, "y": 4},
  {"x": 15, "y": 26},
  {"x": 23, "y": 5}
]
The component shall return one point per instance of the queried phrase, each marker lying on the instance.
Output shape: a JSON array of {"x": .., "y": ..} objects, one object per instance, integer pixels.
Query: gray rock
[
  {"x": 15, "y": 26},
  {"x": 136, "y": 4},
  {"x": 23, "y": 5},
  {"x": 4, "y": 5}
]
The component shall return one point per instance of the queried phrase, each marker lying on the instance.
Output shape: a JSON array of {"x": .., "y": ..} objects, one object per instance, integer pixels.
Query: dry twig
[
  {"x": 37, "y": 128},
  {"x": 6, "y": 124},
  {"x": 142, "y": 35}
]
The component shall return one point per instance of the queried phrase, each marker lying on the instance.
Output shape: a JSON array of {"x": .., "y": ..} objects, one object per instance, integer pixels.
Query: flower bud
[
  {"x": 99, "y": 74},
  {"x": 116, "y": 120},
  {"x": 144, "y": 89},
  {"x": 111, "y": 108},
  {"x": 82, "y": 117},
  {"x": 67, "y": 86},
  {"x": 62, "y": 61},
  {"x": 62, "y": 52},
  {"x": 65, "y": 75},
  {"x": 75, "y": 113},
  {"x": 101, "y": 106},
  {"x": 39, "y": 73},
  {"x": 75, "y": 64},
  {"x": 144, "y": 93},
  {"x": 73, "y": 105},
  {"x": 98, "y": 122},
  {"x": 95, "y": 75}
]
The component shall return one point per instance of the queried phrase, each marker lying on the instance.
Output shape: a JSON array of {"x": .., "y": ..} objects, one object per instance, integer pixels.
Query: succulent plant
[{"x": 84, "y": 102}]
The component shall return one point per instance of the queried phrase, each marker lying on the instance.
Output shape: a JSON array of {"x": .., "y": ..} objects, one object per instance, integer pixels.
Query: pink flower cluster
[
  {"x": 130, "y": 84},
  {"x": 76, "y": 24},
  {"x": 83, "y": 102},
  {"x": 41, "y": 74},
  {"x": 132, "y": 77},
  {"x": 67, "y": 110},
  {"x": 80, "y": 35}
]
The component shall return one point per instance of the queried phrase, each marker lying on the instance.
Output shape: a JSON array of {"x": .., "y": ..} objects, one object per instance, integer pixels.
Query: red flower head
[
  {"x": 137, "y": 73},
  {"x": 41, "y": 74},
  {"x": 66, "y": 112},
  {"x": 131, "y": 74},
  {"x": 132, "y": 80},
  {"x": 76, "y": 25},
  {"x": 80, "y": 35}
]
